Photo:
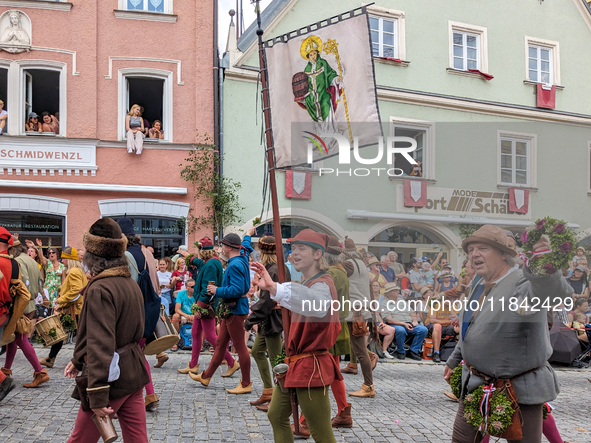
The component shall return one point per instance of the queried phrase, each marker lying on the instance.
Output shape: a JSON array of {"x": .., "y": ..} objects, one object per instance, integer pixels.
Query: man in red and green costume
[{"x": 313, "y": 330}]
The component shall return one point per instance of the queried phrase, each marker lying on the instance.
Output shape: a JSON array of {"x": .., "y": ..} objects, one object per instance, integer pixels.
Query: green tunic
[
  {"x": 318, "y": 101},
  {"x": 341, "y": 282}
]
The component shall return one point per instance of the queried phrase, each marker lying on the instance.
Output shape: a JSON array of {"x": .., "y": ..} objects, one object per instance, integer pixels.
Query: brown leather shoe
[
  {"x": 189, "y": 369},
  {"x": 200, "y": 379},
  {"x": 450, "y": 395},
  {"x": 6, "y": 372},
  {"x": 343, "y": 420},
  {"x": 231, "y": 370},
  {"x": 39, "y": 378},
  {"x": 351, "y": 368},
  {"x": 152, "y": 402},
  {"x": 304, "y": 430},
  {"x": 240, "y": 389},
  {"x": 373, "y": 358},
  {"x": 264, "y": 407},
  {"x": 47, "y": 362},
  {"x": 365, "y": 391},
  {"x": 162, "y": 358},
  {"x": 264, "y": 398}
]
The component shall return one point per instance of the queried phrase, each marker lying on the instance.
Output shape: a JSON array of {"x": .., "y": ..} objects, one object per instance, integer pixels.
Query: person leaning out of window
[
  {"x": 33, "y": 124},
  {"x": 156, "y": 130},
  {"x": 134, "y": 125},
  {"x": 3, "y": 117},
  {"x": 50, "y": 123}
]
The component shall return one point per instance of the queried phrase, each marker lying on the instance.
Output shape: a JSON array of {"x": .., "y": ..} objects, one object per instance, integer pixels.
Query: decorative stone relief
[{"x": 15, "y": 31}]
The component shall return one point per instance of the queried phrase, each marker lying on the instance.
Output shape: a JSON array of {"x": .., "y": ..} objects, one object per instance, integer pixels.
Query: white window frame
[
  {"x": 399, "y": 27},
  {"x": 428, "y": 164},
  {"x": 482, "y": 45},
  {"x": 381, "y": 36},
  {"x": 167, "y": 99},
  {"x": 589, "y": 168},
  {"x": 531, "y": 140},
  {"x": 554, "y": 46},
  {"x": 167, "y": 7},
  {"x": 16, "y": 92}
]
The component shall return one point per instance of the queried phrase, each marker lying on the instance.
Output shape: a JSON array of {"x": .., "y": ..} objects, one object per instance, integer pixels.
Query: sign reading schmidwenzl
[{"x": 462, "y": 202}]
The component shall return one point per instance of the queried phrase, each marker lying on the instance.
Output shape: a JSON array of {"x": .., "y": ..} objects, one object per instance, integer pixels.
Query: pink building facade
[{"x": 86, "y": 62}]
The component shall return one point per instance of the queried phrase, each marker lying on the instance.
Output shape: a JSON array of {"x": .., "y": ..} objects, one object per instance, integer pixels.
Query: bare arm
[{"x": 127, "y": 118}]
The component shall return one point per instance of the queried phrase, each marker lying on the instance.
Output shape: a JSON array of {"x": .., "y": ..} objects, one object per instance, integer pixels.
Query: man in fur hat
[{"x": 500, "y": 341}]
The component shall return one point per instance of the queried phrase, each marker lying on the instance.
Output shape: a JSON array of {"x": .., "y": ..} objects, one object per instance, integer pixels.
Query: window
[
  {"x": 465, "y": 50},
  {"x": 423, "y": 134},
  {"x": 42, "y": 94},
  {"x": 542, "y": 61},
  {"x": 468, "y": 47},
  {"x": 147, "y": 5},
  {"x": 152, "y": 90},
  {"x": 383, "y": 37},
  {"x": 516, "y": 160}
]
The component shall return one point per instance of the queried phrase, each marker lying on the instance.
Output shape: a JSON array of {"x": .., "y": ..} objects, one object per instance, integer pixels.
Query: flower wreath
[
  {"x": 488, "y": 410},
  {"x": 562, "y": 243},
  {"x": 196, "y": 308}
]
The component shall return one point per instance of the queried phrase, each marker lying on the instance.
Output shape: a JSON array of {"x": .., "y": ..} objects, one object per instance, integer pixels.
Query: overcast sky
[{"x": 224, "y": 19}]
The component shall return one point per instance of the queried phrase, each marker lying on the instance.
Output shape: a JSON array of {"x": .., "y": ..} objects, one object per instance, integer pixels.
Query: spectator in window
[
  {"x": 398, "y": 313},
  {"x": 134, "y": 125},
  {"x": 50, "y": 123},
  {"x": 417, "y": 170},
  {"x": 3, "y": 117},
  {"x": 386, "y": 270},
  {"x": 33, "y": 124},
  {"x": 579, "y": 283},
  {"x": 156, "y": 130}
]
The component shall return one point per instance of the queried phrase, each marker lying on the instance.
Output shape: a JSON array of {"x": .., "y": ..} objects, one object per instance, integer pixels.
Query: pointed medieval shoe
[
  {"x": 373, "y": 358},
  {"x": 351, "y": 368},
  {"x": 189, "y": 369},
  {"x": 304, "y": 430},
  {"x": 365, "y": 391},
  {"x": 231, "y": 370},
  {"x": 450, "y": 395},
  {"x": 152, "y": 402},
  {"x": 264, "y": 408},
  {"x": 343, "y": 420},
  {"x": 39, "y": 378},
  {"x": 264, "y": 398},
  {"x": 240, "y": 389},
  {"x": 200, "y": 379},
  {"x": 162, "y": 358},
  {"x": 47, "y": 362},
  {"x": 6, "y": 371},
  {"x": 5, "y": 387}
]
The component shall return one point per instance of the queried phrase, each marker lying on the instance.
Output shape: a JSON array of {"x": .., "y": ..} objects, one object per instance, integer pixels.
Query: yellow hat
[
  {"x": 312, "y": 43},
  {"x": 70, "y": 253}
]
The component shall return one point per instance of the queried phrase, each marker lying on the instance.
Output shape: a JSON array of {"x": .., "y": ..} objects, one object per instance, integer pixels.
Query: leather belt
[{"x": 293, "y": 358}]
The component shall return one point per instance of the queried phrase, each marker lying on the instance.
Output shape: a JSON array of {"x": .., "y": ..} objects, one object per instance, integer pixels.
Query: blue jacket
[{"x": 236, "y": 282}]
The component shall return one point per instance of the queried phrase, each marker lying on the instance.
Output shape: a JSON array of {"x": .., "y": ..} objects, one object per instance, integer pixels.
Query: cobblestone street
[{"x": 408, "y": 407}]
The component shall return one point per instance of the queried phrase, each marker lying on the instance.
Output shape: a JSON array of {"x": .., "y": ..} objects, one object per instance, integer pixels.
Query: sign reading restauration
[{"x": 462, "y": 202}]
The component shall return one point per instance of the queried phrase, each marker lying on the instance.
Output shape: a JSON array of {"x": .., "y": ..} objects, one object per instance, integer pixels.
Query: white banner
[{"x": 323, "y": 79}]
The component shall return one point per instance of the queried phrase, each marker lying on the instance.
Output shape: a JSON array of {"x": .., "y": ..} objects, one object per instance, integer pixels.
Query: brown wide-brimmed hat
[{"x": 491, "y": 235}]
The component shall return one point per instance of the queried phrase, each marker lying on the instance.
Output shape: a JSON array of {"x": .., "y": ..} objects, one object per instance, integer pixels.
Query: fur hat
[
  {"x": 267, "y": 245},
  {"x": 105, "y": 239},
  {"x": 232, "y": 240},
  {"x": 70, "y": 253},
  {"x": 126, "y": 226}
]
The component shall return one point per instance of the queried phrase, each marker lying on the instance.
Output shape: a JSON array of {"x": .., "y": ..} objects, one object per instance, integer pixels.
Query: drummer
[{"x": 69, "y": 301}]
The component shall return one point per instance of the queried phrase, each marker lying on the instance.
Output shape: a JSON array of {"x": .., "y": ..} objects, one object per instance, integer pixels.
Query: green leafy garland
[
  {"x": 52, "y": 333},
  {"x": 455, "y": 381},
  {"x": 196, "y": 308},
  {"x": 562, "y": 243},
  {"x": 500, "y": 412},
  {"x": 68, "y": 323},
  {"x": 278, "y": 360}
]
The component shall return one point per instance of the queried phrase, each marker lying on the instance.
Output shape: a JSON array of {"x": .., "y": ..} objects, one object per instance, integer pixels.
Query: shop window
[
  {"x": 165, "y": 235},
  {"x": 42, "y": 95},
  {"x": 30, "y": 226}
]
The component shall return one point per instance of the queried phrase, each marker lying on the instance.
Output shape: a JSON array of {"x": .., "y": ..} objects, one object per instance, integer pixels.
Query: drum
[
  {"x": 50, "y": 329},
  {"x": 164, "y": 337}
]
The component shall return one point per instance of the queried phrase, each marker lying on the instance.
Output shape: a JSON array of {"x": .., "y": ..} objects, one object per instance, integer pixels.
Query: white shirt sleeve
[{"x": 310, "y": 302}]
